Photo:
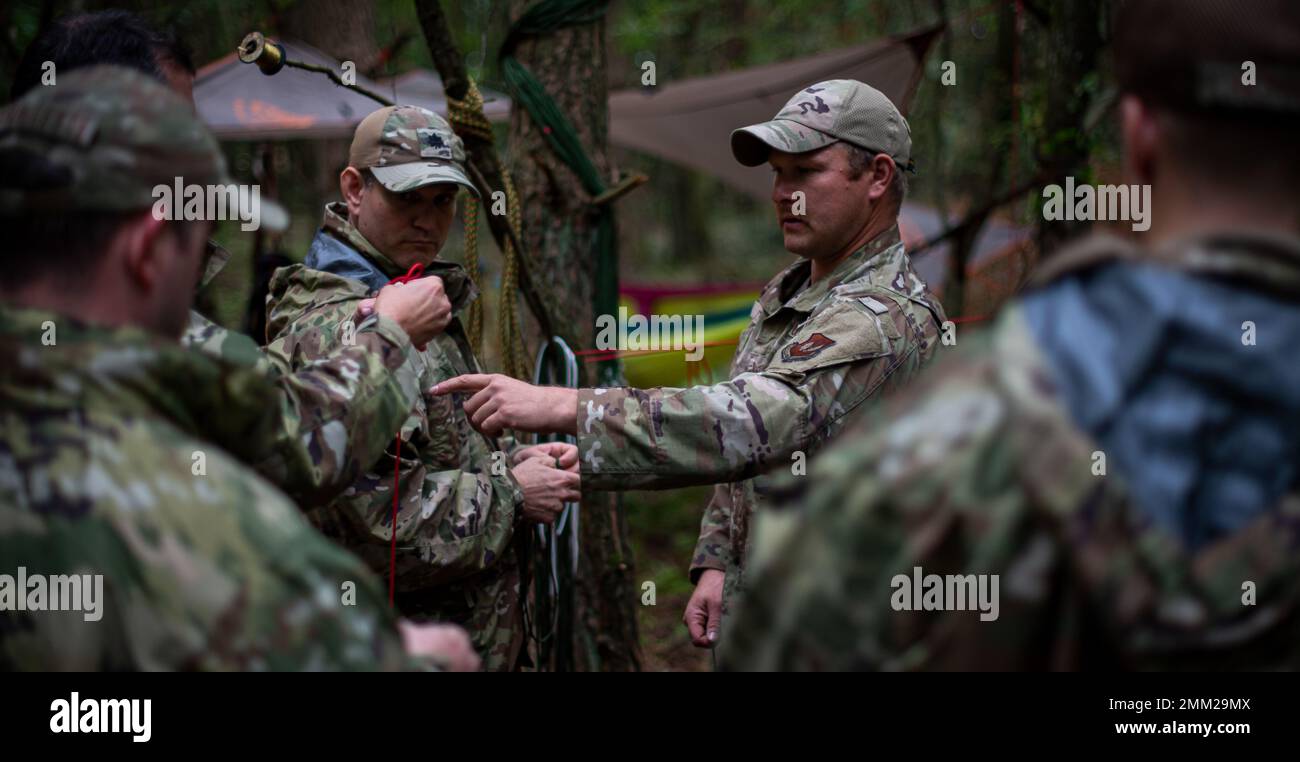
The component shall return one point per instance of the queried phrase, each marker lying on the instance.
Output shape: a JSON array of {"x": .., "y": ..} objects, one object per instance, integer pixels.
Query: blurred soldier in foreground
[
  {"x": 333, "y": 418},
  {"x": 1116, "y": 459},
  {"x": 129, "y": 539},
  {"x": 460, "y": 494},
  {"x": 848, "y": 322}
]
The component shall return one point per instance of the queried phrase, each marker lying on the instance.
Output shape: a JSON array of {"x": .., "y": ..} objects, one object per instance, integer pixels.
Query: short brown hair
[{"x": 860, "y": 159}]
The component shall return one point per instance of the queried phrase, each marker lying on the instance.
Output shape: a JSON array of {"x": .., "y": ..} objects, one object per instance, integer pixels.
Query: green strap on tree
[
  {"x": 554, "y": 583},
  {"x": 543, "y": 18}
]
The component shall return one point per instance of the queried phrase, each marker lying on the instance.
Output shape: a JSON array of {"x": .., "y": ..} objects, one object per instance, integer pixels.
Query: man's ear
[
  {"x": 351, "y": 185},
  {"x": 143, "y": 242},
  {"x": 1141, "y": 135},
  {"x": 882, "y": 176}
]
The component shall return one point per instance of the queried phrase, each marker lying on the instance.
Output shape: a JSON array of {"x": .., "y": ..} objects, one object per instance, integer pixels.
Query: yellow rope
[
  {"x": 511, "y": 335},
  {"x": 470, "y": 221},
  {"x": 466, "y": 117}
]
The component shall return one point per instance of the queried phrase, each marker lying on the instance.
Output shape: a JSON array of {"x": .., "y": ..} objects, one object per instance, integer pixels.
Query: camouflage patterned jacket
[
  {"x": 457, "y": 499},
  {"x": 811, "y": 356},
  {"x": 985, "y": 467},
  {"x": 111, "y": 464},
  {"x": 331, "y": 415}
]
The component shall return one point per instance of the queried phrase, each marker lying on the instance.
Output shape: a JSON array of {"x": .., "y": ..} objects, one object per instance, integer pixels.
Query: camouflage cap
[
  {"x": 408, "y": 147},
  {"x": 107, "y": 136},
  {"x": 838, "y": 109}
]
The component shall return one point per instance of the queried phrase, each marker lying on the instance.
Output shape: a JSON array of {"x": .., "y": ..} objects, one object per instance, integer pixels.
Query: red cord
[
  {"x": 392, "y": 557},
  {"x": 416, "y": 271}
]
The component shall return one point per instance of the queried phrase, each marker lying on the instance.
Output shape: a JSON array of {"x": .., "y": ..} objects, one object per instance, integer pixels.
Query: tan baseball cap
[
  {"x": 408, "y": 147},
  {"x": 838, "y": 109}
]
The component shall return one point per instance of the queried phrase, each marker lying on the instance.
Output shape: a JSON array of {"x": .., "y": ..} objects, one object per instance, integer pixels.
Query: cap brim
[
  {"x": 751, "y": 145},
  {"x": 400, "y": 178}
]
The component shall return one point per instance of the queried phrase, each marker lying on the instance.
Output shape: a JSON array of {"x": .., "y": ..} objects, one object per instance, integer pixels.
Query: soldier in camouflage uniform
[
  {"x": 333, "y": 417},
  {"x": 1119, "y": 449},
  {"x": 848, "y": 322},
  {"x": 460, "y": 494},
  {"x": 111, "y": 461}
]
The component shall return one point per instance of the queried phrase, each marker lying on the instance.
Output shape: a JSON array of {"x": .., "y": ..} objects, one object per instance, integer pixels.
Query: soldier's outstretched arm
[{"x": 664, "y": 438}]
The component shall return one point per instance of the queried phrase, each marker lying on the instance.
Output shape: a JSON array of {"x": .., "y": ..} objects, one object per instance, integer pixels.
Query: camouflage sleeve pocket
[{"x": 848, "y": 331}]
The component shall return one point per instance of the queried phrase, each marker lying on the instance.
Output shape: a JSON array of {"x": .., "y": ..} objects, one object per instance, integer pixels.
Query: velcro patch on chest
[
  {"x": 874, "y": 304},
  {"x": 845, "y": 331}
]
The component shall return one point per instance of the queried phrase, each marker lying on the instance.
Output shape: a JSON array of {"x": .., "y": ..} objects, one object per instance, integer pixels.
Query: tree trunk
[
  {"x": 559, "y": 230},
  {"x": 344, "y": 29},
  {"x": 1002, "y": 118},
  {"x": 1074, "y": 47}
]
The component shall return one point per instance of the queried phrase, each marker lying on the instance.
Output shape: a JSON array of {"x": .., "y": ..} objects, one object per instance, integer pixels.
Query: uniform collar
[
  {"x": 784, "y": 291},
  {"x": 1267, "y": 260},
  {"x": 459, "y": 287}
]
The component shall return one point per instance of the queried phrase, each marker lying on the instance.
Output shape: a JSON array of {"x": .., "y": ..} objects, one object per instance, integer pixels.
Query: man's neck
[
  {"x": 877, "y": 224},
  {"x": 71, "y": 302},
  {"x": 1209, "y": 219},
  {"x": 1187, "y": 206}
]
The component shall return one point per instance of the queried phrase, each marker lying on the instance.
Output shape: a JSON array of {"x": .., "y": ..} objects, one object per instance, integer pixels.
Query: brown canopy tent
[{"x": 238, "y": 102}]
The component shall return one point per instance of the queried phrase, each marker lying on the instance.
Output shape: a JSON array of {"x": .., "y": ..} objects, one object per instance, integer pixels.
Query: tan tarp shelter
[{"x": 690, "y": 122}]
